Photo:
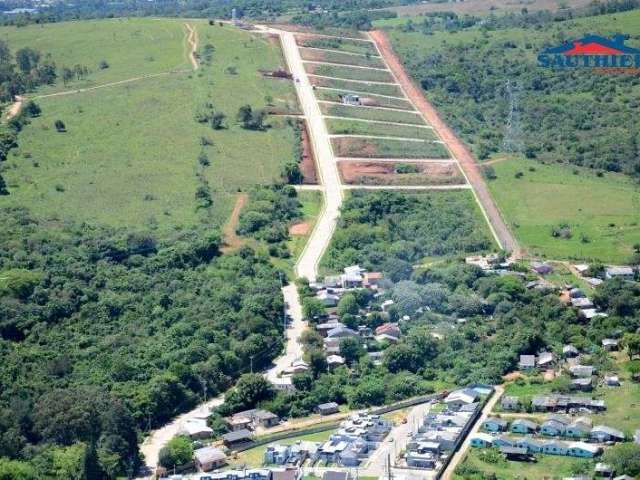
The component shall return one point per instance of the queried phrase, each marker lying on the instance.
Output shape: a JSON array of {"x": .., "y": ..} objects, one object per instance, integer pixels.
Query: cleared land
[
  {"x": 371, "y": 114},
  {"x": 340, "y": 57},
  {"x": 341, "y": 44},
  {"x": 130, "y": 153},
  {"x": 386, "y": 148},
  {"x": 387, "y": 173},
  {"x": 349, "y": 73},
  {"x": 374, "y": 88},
  {"x": 348, "y": 127},
  {"x": 371, "y": 100},
  {"x": 602, "y": 213}
]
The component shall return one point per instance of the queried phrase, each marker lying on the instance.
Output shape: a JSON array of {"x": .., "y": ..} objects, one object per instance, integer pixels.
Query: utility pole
[
  {"x": 251, "y": 362},
  {"x": 284, "y": 307}
]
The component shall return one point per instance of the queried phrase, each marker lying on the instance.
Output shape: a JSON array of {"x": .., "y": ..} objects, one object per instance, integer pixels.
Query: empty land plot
[
  {"x": 349, "y": 127},
  {"x": 375, "y": 88},
  {"x": 342, "y": 44},
  {"x": 387, "y": 148},
  {"x": 370, "y": 100},
  {"x": 349, "y": 73},
  {"x": 340, "y": 57},
  {"x": 401, "y": 173},
  {"x": 365, "y": 113},
  {"x": 130, "y": 154}
]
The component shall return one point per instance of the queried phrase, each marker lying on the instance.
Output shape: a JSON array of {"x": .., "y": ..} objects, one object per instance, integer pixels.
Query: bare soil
[
  {"x": 308, "y": 164},
  {"x": 457, "y": 147},
  {"x": 192, "y": 43},
  {"x": 299, "y": 229},
  {"x": 383, "y": 173},
  {"x": 231, "y": 239}
]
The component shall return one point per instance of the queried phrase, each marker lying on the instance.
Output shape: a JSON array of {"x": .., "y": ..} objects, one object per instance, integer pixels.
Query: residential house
[
  {"x": 349, "y": 457},
  {"x": 612, "y": 380},
  {"x": 581, "y": 371},
  {"x": 553, "y": 427},
  {"x": 392, "y": 329},
  {"x": 456, "y": 399},
  {"x": 327, "y": 408},
  {"x": 297, "y": 366},
  {"x": 495, "y": 425},
  {"x": 527, "y": 362},
  {"x": 554, "y": 448},
  {"x": 350, "y": 99},
  {"x": 610, "y": 344},
  {"x": 515, "y": 453},
  {"x": 502, "y": 441},
  {"x": 277, "y": 454},
  {"x": 482, "y": 440},
  {"x": 623, "y": 272},
  {"x": 603, "y": 470},
  {"x": 334, "y": 475},
  {"x": 557, "y": 403},
  {"x": 209, "y": 458},
  {"x": 334, "y": 361},
  {"x": 386, "y": 304},
  {"x": 256, "y": 417},
  {"x": 328, "y": 299},
  {"x": 284, "y": 474},
  {"x": 341, "y": 332},
  {"x": 197, "y": 429},
  {"x": 602, "y": 433},
  {"x": 582, "y": 449},
  {"x": 301, "y": 450},
  {"x": 591, "y": 313},
  {"x": 332, "y": 345},
  {"x": 238, "y": 437},
  {"x": 541, "y": 268},
  {"x": 352, "y": 276},
  {"x": 569, "y": 351},
  {"x": 372, "y": 279},
  {"x": 580, "y": 428},
  {"x": 532, "y": 446},
  {"x": 576, "y": 293},
  {"x": 523, "y": 426},
  {"x": 386, "y": 338},
  {"x": 545, "y": 360},
  {"x": 582, "y": 303},
  {"x": 324, "y": 328},
  {"x": 510, "y": 403},
  {"x": 582, "y": 384}
]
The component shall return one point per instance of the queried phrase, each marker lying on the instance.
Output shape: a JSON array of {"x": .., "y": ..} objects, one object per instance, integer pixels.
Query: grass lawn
[
  {"x": 131, "y": 46},
  {"x": 349, "y": 127},
  {"x": 130, "y": 153},
  {"x": 363, "y": 88},
  {"x": 349, "y": 73},
  {"x": 371, "y": 114},
  {"x": 334, "y": 96},
  {"x": 254, "y": 457},
  {"x": 342, "y": 44},
  {"x": 387, "y": 148},
  {"x": 340, "y": 57},
  {"x": 547, "y": 466},
  {"x": 602, "y": 213}
]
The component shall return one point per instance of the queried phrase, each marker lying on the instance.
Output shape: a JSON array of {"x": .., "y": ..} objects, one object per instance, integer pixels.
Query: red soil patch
[
  {"x": 384, "y": 173},
  {"x": 308, "y": 163},
  {"x": 299, "y": 229},
  {"x": 511, "y": 376},
  {"x": 231, "y": 239}
]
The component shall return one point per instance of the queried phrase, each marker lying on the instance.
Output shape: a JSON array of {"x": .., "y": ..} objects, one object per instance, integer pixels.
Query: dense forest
[
  {"x": 105, "y": 333},
  {"x": 392, "y": 231},
  {"x": 510, "y": 105}
]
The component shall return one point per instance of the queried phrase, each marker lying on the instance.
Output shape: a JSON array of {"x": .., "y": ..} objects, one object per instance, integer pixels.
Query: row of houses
[
  {"x": 354, "y": 276},
  {"x": 348, "y": 446},
  {"x": 512, "y": 447},
  {"x": 577, "y": 299},
  {"x": 554, "y": 403},
  {"x": 441, "y": 432},
  {"x": 556, "y": 426}
]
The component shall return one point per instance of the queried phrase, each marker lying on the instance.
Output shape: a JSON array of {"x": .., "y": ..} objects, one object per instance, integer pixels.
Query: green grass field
[
  {"x": 348, "y": 127},
  {"x": 387, "y": 148},
  {"x": 130, "y": 155},
  {"x": 371, "y": 114},
  {"x": 349, "y": 73},
  {"x": 362, "y": 88},
  {"x": 547, "y": 467},
  {"x": 341, "y": 44},
  {"x": 334, "y": 96},
  {"x": 602, "y": 213},
  {"x": 337, "y": 56}
]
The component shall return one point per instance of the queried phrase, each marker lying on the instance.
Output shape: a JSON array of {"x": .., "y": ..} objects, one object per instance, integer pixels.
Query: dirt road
[
  {"x": 231, "y": 239},
  {"x": 15, "y": 107},
  {"x": 455, "y": 145},
  {"x": 192, "y": 45}
]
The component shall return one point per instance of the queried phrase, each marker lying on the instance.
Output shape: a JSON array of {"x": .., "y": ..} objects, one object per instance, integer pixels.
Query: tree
[
  {"x": 203, "y": 159},
  {"x": 251, "y": 389},
  {"x": 348, "y": 305},
  {"x": 3, "y": 186},
  {"x": 632, "y": 342},
  {"x": 15, "y": 470},
  {"x": 312, "y": 307},
  {"x": 103, "y": 65},
  {"x": 32, "y": 109},
  {"x": 624, "y": 458},
  {"x": 27, "y": 59},
  {"x": 217, "y": 120},
  {"x": 177, "y": 451},
  {"x": 60, "y": 126},
  {"x": 244, "y": 114},
  {"x": 351, "y": 349}
]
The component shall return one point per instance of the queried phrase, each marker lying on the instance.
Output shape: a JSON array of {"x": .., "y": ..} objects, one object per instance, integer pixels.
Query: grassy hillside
[
  {"x": 602, "y": 213},
  {"x": 130, "y": 153}
]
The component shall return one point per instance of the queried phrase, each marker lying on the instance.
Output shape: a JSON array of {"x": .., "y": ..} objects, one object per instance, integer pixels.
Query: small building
[
  {"x": 284, "y": 474},
  {"x": 591, "y": 313},
  {"x": 209, "y": 458},
  {"x": 603, "y": 470},
  {"x": 277, "y": 454},
  {"x": 578, "y": 429},
  {"x": 341, "y": 332},
  {"x": 553, "y": 428},
  {"x": 532, "y": 446},
  {"x": 581, "y": 371},
  {"x": 334, "y": 475},
  {"x": 581, "y": 303},
  {"x": 456, "y": 399},
  {"x": 610, "y": 344},
  {"x": 502, "y": 441},
  {"x": 482, "y": 440},
  {"x": 495, "y": 425},
  {"x": 624, "y": 272},
  {"x": 510, "y": 403},
  {"x": 515, "y": 453},
  {"x": 350, "y": 99},
  {"x": 197, "y": 429},
  {"x": 416, "y": 459},
  {"x": 334, "y": 361},
  {"x": 372, "y": 279},
  {"x": 583, "y": 450},
  {"x": 569, "y": 351},
  {"x": 523, "y": 426},
  {"x": 389, "y": 329},
  {"x": 612, "y": 380},
  {"x": 328, "y": 299},
  {"x": 324, "y": 328},
  {"x": 602, "y": 433},
  {"x": 545, "y": 360},
  {"x": 238, "y": 437},
  {"x": 576, "y": 293},
  {"x": 527, "y": 362},
  {"x": 541, "y": 268},
  {"x": 582, "y": 384},
  {"x": 327, "y": 408}
]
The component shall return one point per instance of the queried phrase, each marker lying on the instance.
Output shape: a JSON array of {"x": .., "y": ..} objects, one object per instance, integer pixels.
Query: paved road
[
  {"x": 307, "y": 265},
  {"x": 468, "y": 164},
  {"x": 459, "y": 455}
]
